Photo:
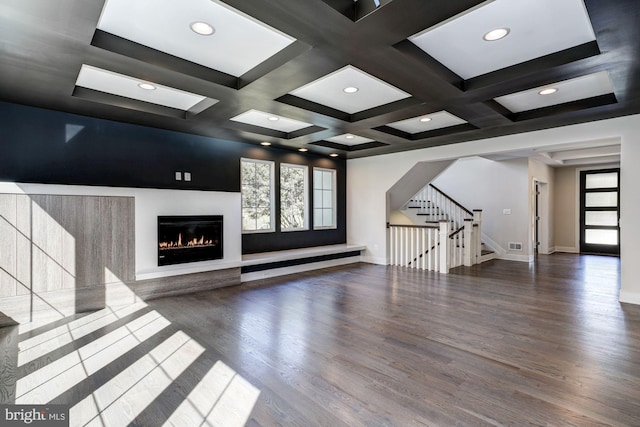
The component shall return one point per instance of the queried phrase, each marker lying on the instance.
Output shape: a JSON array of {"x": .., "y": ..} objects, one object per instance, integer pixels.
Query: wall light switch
[
  {"x": 187, "y": 176},
  {"x": 506, "y": 211},
  {"x": 178, "y": 176}
]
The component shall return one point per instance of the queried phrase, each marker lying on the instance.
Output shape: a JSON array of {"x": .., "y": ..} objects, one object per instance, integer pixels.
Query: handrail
[
  {"x": 456, "y": 232},
  {"x": 452, "y": 200},
  {"x": 413, "y": 226}
]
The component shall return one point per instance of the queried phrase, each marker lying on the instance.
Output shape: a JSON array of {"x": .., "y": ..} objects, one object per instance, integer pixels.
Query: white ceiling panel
[
  {"x": 270, "y": 121},
  {"x": 568, "y": 90},
  {"x": 427, "y": 122},
  {"x": 329, "y": 91},
  {"x": 238, "y": 44},
  {"x": 128, "y": 87},
  {"x": 349, "y": 139},
  {"x": 536, "y": 28}
]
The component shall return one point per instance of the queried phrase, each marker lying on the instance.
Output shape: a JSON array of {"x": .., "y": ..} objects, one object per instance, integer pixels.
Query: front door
[{"x": 600, "y": 211}]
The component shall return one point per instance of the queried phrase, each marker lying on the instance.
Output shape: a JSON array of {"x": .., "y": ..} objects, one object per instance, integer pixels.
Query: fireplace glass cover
[{"x": 183, "y": 239}]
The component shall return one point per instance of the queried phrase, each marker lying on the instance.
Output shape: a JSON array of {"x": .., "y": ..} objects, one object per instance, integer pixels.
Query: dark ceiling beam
[{"x": 47, "y": 44}]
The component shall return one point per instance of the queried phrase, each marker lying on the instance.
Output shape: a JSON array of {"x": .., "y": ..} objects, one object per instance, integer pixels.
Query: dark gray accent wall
[
  {"x": 44, "y": 146},
  {"x": 50, "y": 147}
]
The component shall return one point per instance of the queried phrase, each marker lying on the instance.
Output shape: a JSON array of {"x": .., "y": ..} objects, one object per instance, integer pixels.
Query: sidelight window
[{"x": 324, "y": 198}]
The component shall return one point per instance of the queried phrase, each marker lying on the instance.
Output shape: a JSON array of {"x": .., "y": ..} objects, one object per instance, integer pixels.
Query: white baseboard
[
  {"x": 567, "y": 249},
  {"x": 516, "y": 257},
  {"x": 375, "y": 260},
  {"x": 629, "y": 297},
  {"x": 275, "y": 272}
]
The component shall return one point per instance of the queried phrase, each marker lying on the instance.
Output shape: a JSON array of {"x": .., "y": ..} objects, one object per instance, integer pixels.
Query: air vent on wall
[{"x": 515, "y": 246}]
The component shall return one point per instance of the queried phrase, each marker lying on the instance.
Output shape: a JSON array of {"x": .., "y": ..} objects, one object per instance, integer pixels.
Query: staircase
[
  {"x": 434, "y": 205},
  {"x": 446, "y": 234}
]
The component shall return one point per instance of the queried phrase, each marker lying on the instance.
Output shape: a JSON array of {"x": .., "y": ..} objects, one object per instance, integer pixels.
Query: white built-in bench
[{"x": 278, "y": 263}]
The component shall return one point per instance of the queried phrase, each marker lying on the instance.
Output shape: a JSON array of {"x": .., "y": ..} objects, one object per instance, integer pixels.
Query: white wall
[
  {"x": 415, "y": 180},
  {"x": 629, "y": 210},
  {"x": 369, "y": 179},
  {"x": 493, "y": 186},
  {"x": 149, "y": 204}
]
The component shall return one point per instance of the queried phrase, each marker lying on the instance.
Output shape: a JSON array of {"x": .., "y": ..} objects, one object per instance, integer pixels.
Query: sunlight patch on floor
[
  {"x": 125, "y": 396},
  {"x": 32, "y": 348},
  {"x": 221, "y": 398},
  {"x": 50, "y": 381}
]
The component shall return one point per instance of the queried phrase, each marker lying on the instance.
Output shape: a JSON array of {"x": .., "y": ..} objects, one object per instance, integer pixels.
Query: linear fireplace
[{"x": 184, "y": 239}]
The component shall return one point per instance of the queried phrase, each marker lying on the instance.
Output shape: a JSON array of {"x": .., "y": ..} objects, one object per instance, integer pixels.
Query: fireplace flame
[{"x": 193, "y": 243}]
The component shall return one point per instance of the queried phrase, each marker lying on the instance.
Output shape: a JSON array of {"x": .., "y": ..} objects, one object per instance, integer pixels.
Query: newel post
[
  {"x": 477, "y": 241},
  {"x": 444, "y": 246},
  {"x": 469, "y": 243}
]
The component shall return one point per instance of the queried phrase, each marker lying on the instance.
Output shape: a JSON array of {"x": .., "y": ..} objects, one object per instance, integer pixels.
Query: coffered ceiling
[{"x": 334, "y": 76}]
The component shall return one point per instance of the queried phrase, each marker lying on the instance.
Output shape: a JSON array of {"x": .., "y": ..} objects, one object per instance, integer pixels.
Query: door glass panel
[
  {"x": 608, "y": 199},
  {"x": 601, "y": 218},
  {"x": 602, "y": 180},
  {"x": 601, "y": 237}
]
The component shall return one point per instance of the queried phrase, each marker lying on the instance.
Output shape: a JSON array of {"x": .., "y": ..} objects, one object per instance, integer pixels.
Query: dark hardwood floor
[{"x": 502, "y": 343}]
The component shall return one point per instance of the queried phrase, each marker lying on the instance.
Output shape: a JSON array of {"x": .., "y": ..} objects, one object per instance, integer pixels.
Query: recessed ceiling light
[
  {"x": 350, "y": 89},
  {"x": 548, "y": 91},
  {"x": 146, "y": 86},
  {"x": 333, "y": 155},
  {"x": 265, "y": 143},
  {"x": 496, "y": 34},
  {"x": 202, "y": 28},
  {"x": 425, "y": 119},
  {"x": 349, "y": 136},
  {"x": 273, "y": 118},
  {"x": 303, "y": 150}
]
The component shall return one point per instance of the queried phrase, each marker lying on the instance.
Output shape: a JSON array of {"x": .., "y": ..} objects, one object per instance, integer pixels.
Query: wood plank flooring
[{"x": 502, "y": 343}]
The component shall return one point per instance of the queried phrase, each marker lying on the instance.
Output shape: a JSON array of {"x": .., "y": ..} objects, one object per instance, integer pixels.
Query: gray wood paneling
[
  {"x": 53, "y": 243},
  {"x": 23, "y": 228},
  {"x": 102, "y": 230},
  {"x": 8, "y": 245},
  {"x": 61, "y": 255}
]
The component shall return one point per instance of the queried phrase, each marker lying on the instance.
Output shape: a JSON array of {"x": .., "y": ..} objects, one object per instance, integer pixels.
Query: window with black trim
[
  {"x": 324, "y": 198},
  {"x": 293, "y": 197},
  {"x": 257, "y": 195}
]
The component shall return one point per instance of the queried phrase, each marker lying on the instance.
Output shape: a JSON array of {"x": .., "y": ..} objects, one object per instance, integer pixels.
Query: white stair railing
[
  {"x": 433, "y": 247},
  {"x": 424, "y": 247}
]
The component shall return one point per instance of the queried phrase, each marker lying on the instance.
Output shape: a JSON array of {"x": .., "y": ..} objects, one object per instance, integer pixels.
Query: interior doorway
[
  {"x": 541, "y": 222},
  {"x": 536, "y": 218}
]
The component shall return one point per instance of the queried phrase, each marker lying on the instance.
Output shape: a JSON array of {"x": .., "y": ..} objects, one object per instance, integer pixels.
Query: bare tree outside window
[
  {"x": 257, "y": 197},
  {"x": 293, "y": 197}
]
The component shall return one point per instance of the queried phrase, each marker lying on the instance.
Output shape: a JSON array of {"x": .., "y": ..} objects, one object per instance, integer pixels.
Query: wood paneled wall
[{"x": 61, "y": 255}]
